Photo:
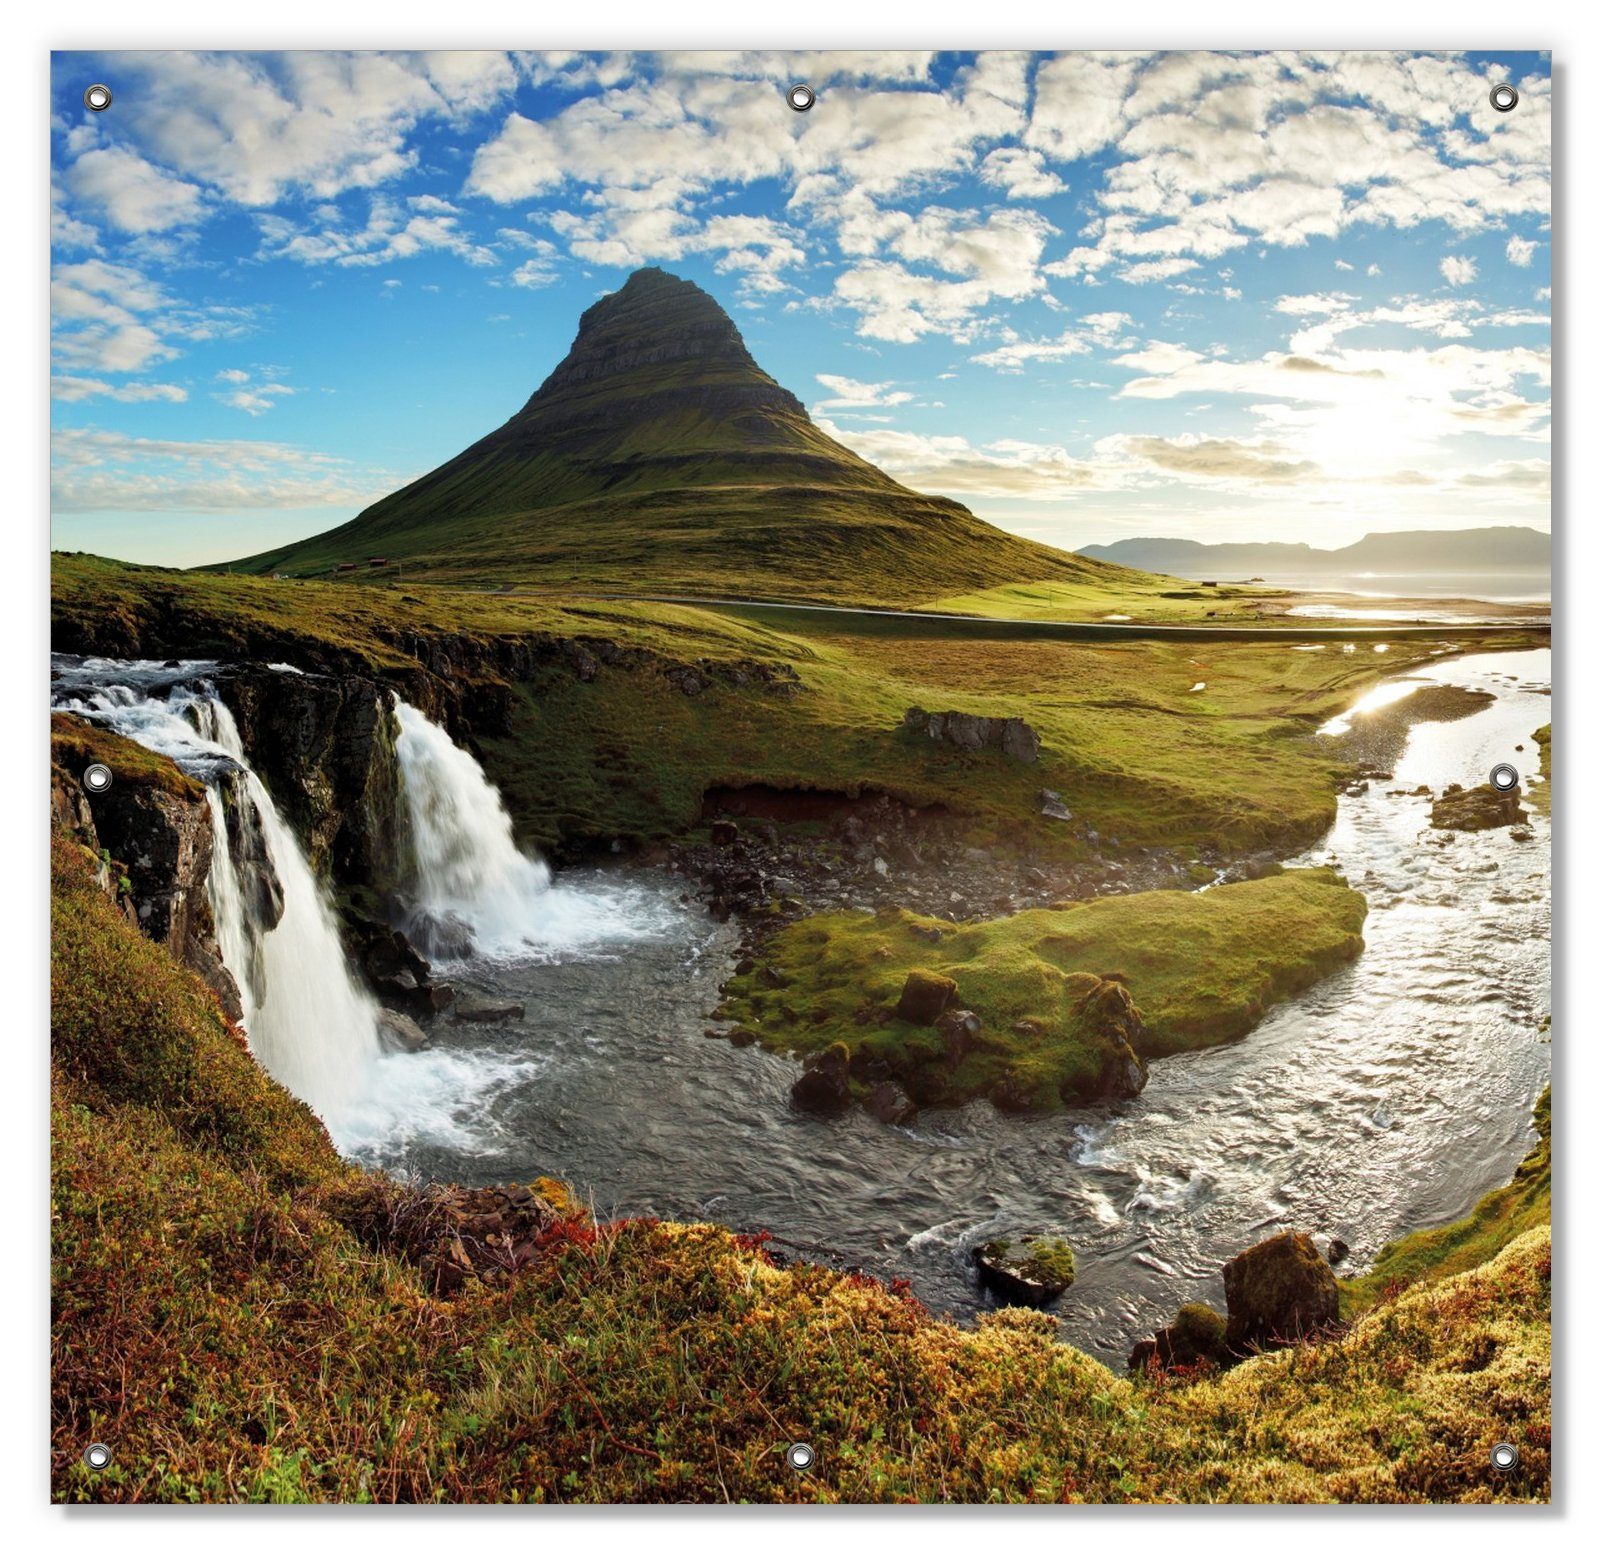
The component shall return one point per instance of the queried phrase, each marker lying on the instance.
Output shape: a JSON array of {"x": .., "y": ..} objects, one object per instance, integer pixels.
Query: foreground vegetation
[
  {"x": 1184, "y": 746},
  {"x": 242, "y": 1316},
  {"x": 1201, "y": 968}
]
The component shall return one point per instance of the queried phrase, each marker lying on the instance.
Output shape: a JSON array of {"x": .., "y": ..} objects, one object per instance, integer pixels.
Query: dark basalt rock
[
  {"x": 325, "y": 747},
  {"x": 481, "y": 1009},
  {"x": 1476, "y": 809},
  {"x": 925, "y": 996},
  {"x": 1026, "y": 1271},
  {"x": 1194, "y": 1338},
  {"x": 960, "y": 1032},
  {"x": 972, "y": 732},
  {"x": 824, "y": 1084},
  {"x": 1279, "y": 1292},
  {"x": 401, "y": 1032},
  {"x": 890, "y": 1104},
  {"x": 164, "y": 842}
]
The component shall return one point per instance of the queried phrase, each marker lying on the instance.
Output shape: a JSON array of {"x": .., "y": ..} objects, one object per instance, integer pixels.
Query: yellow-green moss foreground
[
  {"x": 234, "y": 1338},
  {"x": 1201, "y": 966}
]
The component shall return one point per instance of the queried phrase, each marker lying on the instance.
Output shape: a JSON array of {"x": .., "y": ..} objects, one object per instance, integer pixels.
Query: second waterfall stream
[{"x": 475, "y": 891}]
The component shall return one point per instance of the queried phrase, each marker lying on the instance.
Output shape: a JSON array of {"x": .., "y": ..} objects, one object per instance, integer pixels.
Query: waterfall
[
  {"x": 307, "y": 1021},
  {"x": 475, "y": 891}
]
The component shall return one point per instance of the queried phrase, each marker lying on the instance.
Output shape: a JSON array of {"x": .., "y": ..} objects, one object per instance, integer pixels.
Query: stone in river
[
  {"x": 401, "y": 1032},
  {"x": 1026, "y": 1271},
  {"x": 890, "y": 1104},
  {"x": 481, "y": 1008},
  {"x": 1278, "y": 1292}
]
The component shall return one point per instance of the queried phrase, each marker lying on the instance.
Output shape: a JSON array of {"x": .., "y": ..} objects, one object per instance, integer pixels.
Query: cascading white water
[
  {"x": 476, "y": 891},
  {"x": 307, "y": 1021}
]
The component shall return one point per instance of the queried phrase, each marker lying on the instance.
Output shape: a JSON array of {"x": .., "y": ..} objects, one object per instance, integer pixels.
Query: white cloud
[
  {"x": 74, "y": 390},
  {"x": 1458, "y": 269},
  {"x": 132, "y": 193},
  {"x": 852, "y": 394},
  {"x": 1252, "y": 462},
  {"x": 1021, "y": 172},
  {"x": 954, "y": 466},
  {"x": 394, "y": 230},
  {"x": 258, "y": 127},
  {"x": 108, "y": 318},
  {"x": 1211, "y": 151},
  {"x": 99, "y": 471},
  {"x": 1520, "y": 251},
  {"x": 253, "y": 393},
  {"x": 1093, "y": 330}
]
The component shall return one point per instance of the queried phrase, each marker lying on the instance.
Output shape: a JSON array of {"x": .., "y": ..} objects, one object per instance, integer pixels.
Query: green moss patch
[
  {"x": 1052, "y": 985},
  {"x": 76, "y": 744}
]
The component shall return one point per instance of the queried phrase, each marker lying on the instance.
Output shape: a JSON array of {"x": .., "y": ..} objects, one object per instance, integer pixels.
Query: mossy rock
[
  {"x": 1194, "y": 1338},
  {"x": 1028, "y": 1271},
  {"x": 1481, "y": 808},
  {"x": 1278, "y": 1292},
  {"x": 925, "y": 997}
]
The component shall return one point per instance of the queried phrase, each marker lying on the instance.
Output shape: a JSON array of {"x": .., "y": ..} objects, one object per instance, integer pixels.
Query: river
[{"x": 1389, "y": 1097}]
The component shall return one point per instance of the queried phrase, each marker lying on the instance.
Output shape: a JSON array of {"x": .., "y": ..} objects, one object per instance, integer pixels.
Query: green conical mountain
[{"x": 659, "y": 456}]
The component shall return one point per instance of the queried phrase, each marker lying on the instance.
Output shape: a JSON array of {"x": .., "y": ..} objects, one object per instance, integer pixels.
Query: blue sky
[{"x": 1282, "y": 296}]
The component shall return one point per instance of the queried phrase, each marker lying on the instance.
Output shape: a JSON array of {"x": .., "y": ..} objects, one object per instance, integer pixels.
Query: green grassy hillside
[
  {"x": 658, "y": 455},
  {"x": 1141, "y": 755}
]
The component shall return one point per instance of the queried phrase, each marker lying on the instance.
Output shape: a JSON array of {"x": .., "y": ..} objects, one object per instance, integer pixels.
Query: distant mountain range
[
  {"x": 658, "y": 455},
  {"x": 1505, "y": 548}
]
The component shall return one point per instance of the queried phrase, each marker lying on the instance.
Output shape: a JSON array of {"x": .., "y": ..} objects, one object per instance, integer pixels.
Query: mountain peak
[
  {"x": 658, "y": 454},
  {"x": 660, "y": 325}
]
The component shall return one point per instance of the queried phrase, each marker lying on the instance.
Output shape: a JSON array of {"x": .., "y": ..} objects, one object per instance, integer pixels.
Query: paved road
[{"x": 909, "y": 621}]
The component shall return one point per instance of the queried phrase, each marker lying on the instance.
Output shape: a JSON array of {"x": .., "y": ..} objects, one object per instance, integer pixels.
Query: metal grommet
[
  {"x": 800, "y": 1456},
  {"x": 1504, "y": 1457},
  {"x": 98, "y": 1456},
  {"x": 1504, "y": 777},
  {"x": 1503, "y": 98},
  {"x": 97, "y": 777},
  {"x": 97, "y": 98},
  {"x": 800, "y": 97}
]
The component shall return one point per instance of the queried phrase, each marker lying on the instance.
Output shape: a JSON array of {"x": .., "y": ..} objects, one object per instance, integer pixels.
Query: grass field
[{"x": 1174, "y": 744}]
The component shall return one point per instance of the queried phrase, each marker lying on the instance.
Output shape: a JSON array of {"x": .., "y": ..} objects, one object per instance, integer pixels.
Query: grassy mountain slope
[
  {"x": 239, "y": 1313},
  {"x": 659, "y": 456}
]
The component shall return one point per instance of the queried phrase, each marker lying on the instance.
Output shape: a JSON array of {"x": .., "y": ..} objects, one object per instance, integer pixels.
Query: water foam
[{"x": 477, "y": 893}]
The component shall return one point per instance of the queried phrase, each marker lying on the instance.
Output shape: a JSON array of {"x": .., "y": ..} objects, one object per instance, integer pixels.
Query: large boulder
[
  {"x": 482, "y": 1009},
  {"x": 890, "y": 1104},
  {"x": 824, "y": 1082},
  {"x": 1476, "y": 809},
  {"x": 1195, "y": 1337},
  {"x": 973, "y": 732},
  {"x": 401, "y": 1033},
  {"x": 1026, "y": 1271},
  {"x": 1279, "y": 1292},
  {"x": 925, "y": 997}
]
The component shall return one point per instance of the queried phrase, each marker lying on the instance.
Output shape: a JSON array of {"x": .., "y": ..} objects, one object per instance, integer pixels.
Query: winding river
[{"x": 1387, "y": 1098}]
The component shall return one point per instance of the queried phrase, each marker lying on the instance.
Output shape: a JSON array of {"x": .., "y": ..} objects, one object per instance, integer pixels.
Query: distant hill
[
  {"x": 659, "y": 456},
  {"x": 1501, "y": 549}
]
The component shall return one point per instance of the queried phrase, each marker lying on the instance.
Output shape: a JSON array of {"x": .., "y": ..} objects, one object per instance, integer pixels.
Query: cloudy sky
[{"x": 1279, "y": 296}]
